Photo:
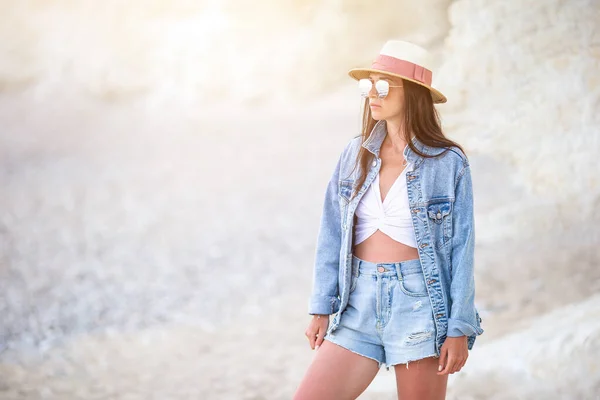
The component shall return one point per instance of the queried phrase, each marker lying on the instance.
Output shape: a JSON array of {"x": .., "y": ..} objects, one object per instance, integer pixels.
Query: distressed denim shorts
[{"x": 389, "y": 317}]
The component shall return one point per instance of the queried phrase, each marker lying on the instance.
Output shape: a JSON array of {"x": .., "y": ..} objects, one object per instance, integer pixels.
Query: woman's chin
[{"x": 376, "y": 115}]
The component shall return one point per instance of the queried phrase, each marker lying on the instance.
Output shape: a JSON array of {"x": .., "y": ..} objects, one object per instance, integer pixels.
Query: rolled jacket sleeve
[{"x": 463, "y": 315}]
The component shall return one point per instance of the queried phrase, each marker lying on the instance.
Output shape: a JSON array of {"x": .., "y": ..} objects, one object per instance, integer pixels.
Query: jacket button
[
  {"x": 439, "y": 215},
  {"x": 424, "y": 245},
  {"x": 374, "y": 163},
  {"x": 415, "y": 210}
]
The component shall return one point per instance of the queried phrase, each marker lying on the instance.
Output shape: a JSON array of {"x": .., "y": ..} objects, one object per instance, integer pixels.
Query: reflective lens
[
  {"x": 365, "y": 85},
  {"x": 383, "y": 88}
]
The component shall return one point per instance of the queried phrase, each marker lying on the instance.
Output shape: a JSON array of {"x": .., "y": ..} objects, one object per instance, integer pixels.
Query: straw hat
[{"x": 403, "y": 60}]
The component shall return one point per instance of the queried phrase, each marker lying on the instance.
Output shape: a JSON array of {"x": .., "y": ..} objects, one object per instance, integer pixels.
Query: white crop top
[{"x": 391, "y": 217}]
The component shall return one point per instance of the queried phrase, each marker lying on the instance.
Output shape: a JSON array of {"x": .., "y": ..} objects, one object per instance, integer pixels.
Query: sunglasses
[{"x": 382, "y": 87}]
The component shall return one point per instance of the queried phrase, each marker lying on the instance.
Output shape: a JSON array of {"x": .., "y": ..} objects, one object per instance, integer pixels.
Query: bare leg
[
  {"x": 420, "y": 380},
  {"x": 336, "y": 373}
]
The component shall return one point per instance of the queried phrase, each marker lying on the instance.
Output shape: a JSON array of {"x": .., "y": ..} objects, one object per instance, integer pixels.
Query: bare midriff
[{"x": 380, "y": 248}]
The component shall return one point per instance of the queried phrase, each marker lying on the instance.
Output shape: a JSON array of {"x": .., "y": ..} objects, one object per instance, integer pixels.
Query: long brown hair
[{"x": 420, "y": 118}]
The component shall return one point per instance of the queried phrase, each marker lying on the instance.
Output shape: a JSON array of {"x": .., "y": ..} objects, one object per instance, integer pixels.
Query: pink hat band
[{"x": 402, "y": 67}]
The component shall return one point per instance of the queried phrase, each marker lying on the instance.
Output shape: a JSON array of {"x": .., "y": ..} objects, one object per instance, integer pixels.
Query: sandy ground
[{"x": 167, "y": 255}]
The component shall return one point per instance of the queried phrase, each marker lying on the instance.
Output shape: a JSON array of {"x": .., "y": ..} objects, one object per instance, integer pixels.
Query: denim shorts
[{"x": 389, "y": 317}]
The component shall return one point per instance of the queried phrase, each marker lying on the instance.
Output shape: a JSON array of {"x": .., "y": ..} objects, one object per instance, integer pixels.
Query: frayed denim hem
[
  {"x": 413, "y": 360},
  {"x": 379, "y": 363}
]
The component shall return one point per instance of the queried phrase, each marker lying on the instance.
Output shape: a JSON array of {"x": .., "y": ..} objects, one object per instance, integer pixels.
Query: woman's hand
[
  {"x": 453, "y": 355},
  {"x": 316, "y": 330}
]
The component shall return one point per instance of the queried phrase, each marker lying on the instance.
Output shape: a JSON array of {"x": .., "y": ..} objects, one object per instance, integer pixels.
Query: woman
[{"x": 394, "y": 257}]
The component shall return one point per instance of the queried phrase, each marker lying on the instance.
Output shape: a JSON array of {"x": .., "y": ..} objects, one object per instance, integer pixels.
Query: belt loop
[{"x": 398, "y": 267}]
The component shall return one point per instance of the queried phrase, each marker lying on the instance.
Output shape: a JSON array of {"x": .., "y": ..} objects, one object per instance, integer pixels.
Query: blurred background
[{"x": 163, "y": 165}]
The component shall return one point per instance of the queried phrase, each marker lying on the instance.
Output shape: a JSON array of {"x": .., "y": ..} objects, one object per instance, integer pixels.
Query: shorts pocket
[
  {"x": 413, "y": 284},
  {"x": 353, "y": 279},
  {"x": 353, "y": 283}
]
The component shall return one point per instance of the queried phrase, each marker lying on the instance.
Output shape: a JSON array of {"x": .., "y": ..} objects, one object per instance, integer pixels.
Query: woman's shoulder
[
  {"x": 351, "y": 148},
  {"x": 450, "y": 154},
  {"x": 354, "y": 143}
]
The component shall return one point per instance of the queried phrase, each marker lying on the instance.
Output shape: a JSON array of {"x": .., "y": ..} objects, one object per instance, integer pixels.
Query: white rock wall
[{"x": 523, "y": 82}]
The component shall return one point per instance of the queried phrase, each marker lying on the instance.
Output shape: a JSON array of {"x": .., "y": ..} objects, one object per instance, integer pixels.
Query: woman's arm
[
  {"x": 462, "y": 320},
  {"x": 324, "y": 298}
]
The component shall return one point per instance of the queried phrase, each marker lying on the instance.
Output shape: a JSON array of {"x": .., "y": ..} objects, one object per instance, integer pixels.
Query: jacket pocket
[
  {"x": 345, "y": 189},
  {"x": 345, "y": 192},
  {"x": 439, "y": 215}
]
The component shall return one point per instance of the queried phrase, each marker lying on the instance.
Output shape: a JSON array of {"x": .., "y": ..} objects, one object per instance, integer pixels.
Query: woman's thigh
[
  {"x": 420, "y": 381},
  {"x": 336, "y": 373}
]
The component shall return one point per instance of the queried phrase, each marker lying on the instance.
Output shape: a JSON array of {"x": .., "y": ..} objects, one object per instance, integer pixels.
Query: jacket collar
[{"x": 375, "y": 139}]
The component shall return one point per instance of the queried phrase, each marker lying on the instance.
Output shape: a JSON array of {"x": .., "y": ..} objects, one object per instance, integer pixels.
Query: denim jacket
[{"x": 440, "y": 197}]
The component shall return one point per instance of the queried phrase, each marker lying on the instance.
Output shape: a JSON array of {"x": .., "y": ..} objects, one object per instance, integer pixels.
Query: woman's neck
[{"x": 395, "y": 135}]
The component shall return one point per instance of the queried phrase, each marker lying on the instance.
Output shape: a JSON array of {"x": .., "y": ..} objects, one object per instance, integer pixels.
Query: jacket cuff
[
  {"x": 325, "y": 305},
  {"x": 457, "y": 328}
]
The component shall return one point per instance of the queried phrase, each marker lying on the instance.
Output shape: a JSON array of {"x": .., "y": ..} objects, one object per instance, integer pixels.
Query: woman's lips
[{"x": 375, "y": 105}]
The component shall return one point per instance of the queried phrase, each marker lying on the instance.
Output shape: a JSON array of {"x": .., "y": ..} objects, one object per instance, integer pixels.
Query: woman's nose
[{"x": 373, "y": 92}]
